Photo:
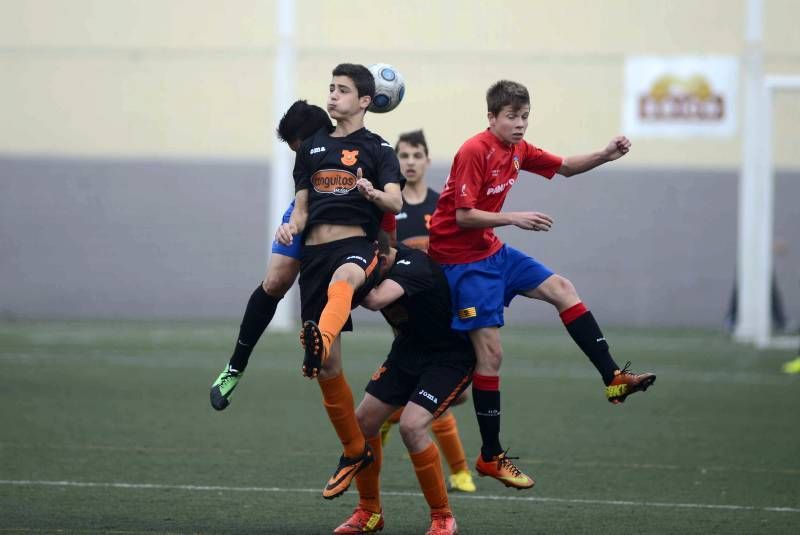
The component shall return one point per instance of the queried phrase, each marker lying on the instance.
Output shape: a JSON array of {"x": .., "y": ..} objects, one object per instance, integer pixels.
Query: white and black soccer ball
[{"x": 389, "y": 88}]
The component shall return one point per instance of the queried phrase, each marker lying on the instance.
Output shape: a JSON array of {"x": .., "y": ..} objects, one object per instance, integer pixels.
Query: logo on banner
[
  {"x": 680, "y": 96},
  {"x": 673, "y": 97}
]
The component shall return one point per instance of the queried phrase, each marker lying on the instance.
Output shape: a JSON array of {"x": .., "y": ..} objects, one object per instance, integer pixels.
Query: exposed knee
[
  {"x": 561, "y": 292},
  {"x": 277, "y": 285},
  {"x": 411, "y": 432}
]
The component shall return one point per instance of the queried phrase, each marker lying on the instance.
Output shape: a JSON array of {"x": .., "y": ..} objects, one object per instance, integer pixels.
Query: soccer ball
[{"x": 389, "y": 88}]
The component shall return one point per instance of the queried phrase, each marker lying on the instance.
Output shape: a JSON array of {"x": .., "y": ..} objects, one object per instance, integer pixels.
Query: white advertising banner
[{"x": 680, "y": 97}]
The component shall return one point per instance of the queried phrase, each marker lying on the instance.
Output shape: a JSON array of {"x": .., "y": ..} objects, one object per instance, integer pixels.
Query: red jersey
[
  {"x": 483, "y": 171},
  {"x": 388, "y": 222}
]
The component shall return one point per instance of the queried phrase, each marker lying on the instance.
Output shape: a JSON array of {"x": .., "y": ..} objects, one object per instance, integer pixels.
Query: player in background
[
  {"x": 428, "y": 367},
  {"x": 485, "y": 274},
  {"x": 344, "y": 181},
  {"x": 299, "y": 122},
  {"x": 419, "y": 202}
]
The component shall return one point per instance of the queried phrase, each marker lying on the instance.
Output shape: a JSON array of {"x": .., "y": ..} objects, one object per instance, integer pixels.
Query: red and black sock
[
  {"x": 486, "y": 398},
  {"x": 259, "y": 312},
  {"x": 584, "y": 330}
]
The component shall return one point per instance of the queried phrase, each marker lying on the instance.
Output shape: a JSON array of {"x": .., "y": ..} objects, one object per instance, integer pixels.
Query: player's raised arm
[{"x": 574, "y": 165}]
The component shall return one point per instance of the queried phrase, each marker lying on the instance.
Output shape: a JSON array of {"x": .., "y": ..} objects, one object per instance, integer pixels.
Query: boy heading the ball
[
  {"x": 344, "y": 182},
  {"x": 485, "y": 275},
  {"x": 300, "y": 121}
]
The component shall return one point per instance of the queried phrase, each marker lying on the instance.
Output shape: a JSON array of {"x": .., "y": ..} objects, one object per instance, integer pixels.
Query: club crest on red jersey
[
  {"x": 516, "y": 163},
  {"x": 349, "y": 157}
]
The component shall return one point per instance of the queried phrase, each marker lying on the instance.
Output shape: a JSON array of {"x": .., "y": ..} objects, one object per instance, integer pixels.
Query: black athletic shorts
[
  {"x": 317, "y": 265},
  {"x": 435, "y": 387}
]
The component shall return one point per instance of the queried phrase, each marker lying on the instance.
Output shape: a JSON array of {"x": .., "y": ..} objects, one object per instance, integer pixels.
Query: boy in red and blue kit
[{"x": 485, "y": 275}]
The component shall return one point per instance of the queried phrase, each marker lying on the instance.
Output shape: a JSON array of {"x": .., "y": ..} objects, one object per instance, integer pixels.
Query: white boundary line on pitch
[{"x": 158, "y": 486}]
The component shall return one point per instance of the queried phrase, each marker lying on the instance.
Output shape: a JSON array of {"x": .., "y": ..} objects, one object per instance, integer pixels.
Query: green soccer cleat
[
  {"x": 792, "y": 366},
  {"x": 223, "y": 387}
]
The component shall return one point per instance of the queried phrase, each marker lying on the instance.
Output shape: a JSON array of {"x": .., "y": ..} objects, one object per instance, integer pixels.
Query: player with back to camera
[
  {"x": 344, "y": 181},
  {"x": 419, "y": 202},
  {"x": 299, "y": 122},
  {"x": 485, "y": 274},
  {"x": 428, "y": 367}
]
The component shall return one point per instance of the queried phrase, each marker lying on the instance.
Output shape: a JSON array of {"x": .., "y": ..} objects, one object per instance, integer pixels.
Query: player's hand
[
  {"x": 285, "y": 233},
  {"x": 532, "y": 221},
  {"x": 617, "y": 148},
  {"x": 365, "y": 187}
]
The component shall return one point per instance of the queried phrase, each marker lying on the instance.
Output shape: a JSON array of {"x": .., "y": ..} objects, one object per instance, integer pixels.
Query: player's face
[
  {"x": 413, "y": 161},
  {"x": 510, "y": 125},
  {"x": 343, "y": 99}
]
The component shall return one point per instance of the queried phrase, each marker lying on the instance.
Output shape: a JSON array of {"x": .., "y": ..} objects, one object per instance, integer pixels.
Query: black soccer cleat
[
  {"x": 345, "y": 472},
  {"x": 311, "y": 340}
]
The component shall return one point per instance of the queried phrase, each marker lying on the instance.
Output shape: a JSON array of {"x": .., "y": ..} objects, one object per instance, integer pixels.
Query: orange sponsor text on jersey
[{"x": 336, "y": 181}]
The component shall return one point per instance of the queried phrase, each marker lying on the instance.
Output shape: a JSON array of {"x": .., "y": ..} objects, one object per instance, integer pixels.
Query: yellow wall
[{"x": 194, "y": 77}]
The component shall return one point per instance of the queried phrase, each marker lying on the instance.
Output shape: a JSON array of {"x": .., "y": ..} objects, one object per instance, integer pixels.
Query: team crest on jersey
[
  {"x": 335, "y": 181},
  {"x": 516, "y": 163},
  {"x": 349, "y": 157}
]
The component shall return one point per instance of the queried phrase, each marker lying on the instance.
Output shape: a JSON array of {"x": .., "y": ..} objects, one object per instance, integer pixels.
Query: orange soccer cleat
[
  {"x": 502, "y": 469},
  {"x": 626, "y": 383},
  {"x": 443, "y": 524},
  {"x": 345, "y": 472},
  {"x": 361, "y": 521}
]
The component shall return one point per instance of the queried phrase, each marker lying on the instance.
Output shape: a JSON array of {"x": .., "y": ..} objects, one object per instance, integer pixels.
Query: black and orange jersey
[
  {"x": 326, "y": 166},
  {"x": 413, "y": 221},
  {"x": 422, "y": 315}
]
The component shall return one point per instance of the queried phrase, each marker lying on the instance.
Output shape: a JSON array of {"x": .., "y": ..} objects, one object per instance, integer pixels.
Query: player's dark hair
[
  {"x": 361, "y": 77},
  {"x": 301, "y": 120},
  {"x": 415, "y": 139},
  {"x": 505, "y": 93}
]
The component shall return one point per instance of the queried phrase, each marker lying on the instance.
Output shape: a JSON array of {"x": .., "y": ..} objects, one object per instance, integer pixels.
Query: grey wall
[{"x": 187, "y": 239}]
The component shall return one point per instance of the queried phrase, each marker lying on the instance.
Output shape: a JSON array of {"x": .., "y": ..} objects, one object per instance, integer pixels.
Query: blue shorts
[
  {"x": 295, "y": 250},
  {"x": 479, "y": 290}
]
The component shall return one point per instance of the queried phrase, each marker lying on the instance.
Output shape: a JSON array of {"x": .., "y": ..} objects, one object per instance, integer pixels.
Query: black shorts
[
  {"x": 317, "y": 265},
  {"x": 435, "y": 388}
]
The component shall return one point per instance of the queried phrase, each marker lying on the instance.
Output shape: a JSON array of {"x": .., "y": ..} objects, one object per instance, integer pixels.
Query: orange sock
[
  {"x": 338, "y": 400},
  {"x": 336, "y": 312},
  {"x": 395, "y": 416},
  {"x": 368, "y": 480},
  {"x": 431, "y": 478},
  {"x": 446, "y": 431}
]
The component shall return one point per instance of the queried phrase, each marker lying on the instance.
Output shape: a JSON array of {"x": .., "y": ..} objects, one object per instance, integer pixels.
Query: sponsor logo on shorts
[
  {"x": 349, "y": 157},
  {"x": 378, "y": 373},
  {"x": 335, "y": 181},
  {"x": 428, "y": 395},
  {"x": 467, "y": 313},
  {"x": 359, "y": 258}
]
